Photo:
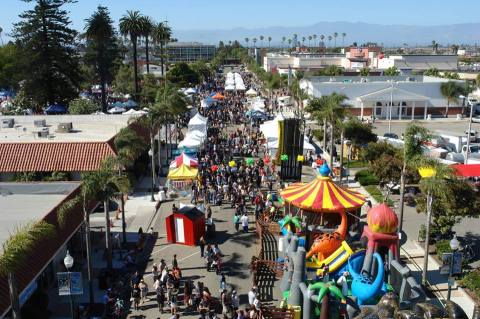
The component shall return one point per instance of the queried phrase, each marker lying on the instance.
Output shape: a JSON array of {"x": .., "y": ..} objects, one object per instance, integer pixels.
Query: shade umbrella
[
  {"x": 190, "y": 91},
  {"x": 183, "y": 173},
  {"x": 218, "y": 96},
  {"x": 183, "y": 159},
  {"x": 322, "y": 195}
]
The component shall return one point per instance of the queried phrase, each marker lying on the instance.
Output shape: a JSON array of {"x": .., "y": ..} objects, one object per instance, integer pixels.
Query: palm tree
[
  {"x": 129, "y": 145},
  {"x": 147, "y": 29},
  {"x": 450, "y": 91},
  {"x": 162, "y": 34},
  {"x": 99, "y": 30},
  {"x": 269, "y": 39},
  {"x": 335, "y": 35},
  {"x": 309, "y": 40},
  {"x": 329, "y": 40},
  {"x": 283, "y": 41},
  {"x": 254, "y": 40},
  {"x": 331, "y": 109},
  {"x": 106, "y": 183},
  {"x": 261, "y": 40},
  {"x": 246, "y": 41},
  {"x": 131, "y": 25},
  {"x": 315, "y": 40},
  {"x": 295, "y": 39},
  {"x": 1, "y": 39},
  {"x": 343, "y": 38},
  {"x": 290, "y": 43},
  {"x": 434, "y": 46},
  {"x": 303, "y": 41},
  {"x": 322, "y": 37},
  {"x": 16, "y": 250}
]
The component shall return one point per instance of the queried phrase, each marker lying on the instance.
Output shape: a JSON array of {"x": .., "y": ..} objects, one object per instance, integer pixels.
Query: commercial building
[
  {"x": 407, "y": 63},
  {"x": 57, "y": 143},
  {"x": 400, "y": 97},
  {"x": 33, "y": 202},
  {"x": 189, "y": 52},
  {"x": 300, "y": 62}
]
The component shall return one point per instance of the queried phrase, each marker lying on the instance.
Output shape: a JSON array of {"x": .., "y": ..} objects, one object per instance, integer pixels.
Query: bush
[
  {"x": 366, "y": 177},
  {"x": 441, "y": 247},
  {"x": 377, "y": 195},
  {"x": 83, "y": 106},
  {"x": 472, "y": 282}
]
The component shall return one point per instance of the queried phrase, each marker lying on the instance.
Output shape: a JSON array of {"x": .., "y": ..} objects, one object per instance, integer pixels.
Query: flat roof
[
  {"x": 86, "y": 128},
  {"x": 21, "y": 203}
]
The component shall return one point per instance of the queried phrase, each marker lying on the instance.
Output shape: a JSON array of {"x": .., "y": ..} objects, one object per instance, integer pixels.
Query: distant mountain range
[{"x": 389, "y": 35}]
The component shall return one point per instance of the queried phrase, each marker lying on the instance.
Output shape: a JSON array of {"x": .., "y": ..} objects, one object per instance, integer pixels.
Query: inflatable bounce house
[{"x": 324, "y": 277}]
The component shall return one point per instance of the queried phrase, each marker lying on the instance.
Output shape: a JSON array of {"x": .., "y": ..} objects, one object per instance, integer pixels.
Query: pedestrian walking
[
  {"x": 244, "y": 221},
  {"x": 160, "y": 295},
  {"x": 143, "y": 290},
  {"x": 175, "y": 262},
  {"x": 136, "y": 295},
  {"x": 236, "y": 221},
  {"x": 202, "y": 243}
]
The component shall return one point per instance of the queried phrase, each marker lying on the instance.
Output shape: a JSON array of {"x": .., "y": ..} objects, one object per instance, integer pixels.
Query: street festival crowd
[{"x": 245, "y": 186}]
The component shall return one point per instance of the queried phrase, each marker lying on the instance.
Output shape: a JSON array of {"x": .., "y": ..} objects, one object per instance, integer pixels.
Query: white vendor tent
[{"x": 251, "y": 92}]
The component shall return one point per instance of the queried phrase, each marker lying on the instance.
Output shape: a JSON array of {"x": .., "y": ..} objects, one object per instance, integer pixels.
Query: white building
[
  {"x": 417, "y": 62},
  {"x": 409, "y": 97},
  {"x": 302, "y": 62}
]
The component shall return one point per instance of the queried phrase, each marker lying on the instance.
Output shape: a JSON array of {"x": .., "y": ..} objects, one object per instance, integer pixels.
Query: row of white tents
[
  {"x": 197, "y": 132},
  {"x": 234, "y": 82},
  {"x": 270, "y": 131}
]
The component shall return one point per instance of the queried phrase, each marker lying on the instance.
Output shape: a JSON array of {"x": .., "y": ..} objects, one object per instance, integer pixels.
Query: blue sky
[{"x": 226, "y": 14}]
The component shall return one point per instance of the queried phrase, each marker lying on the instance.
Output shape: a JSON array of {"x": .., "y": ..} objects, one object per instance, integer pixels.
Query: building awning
[
  {"x": 391, "y": 93},
  {"x": 467, "y": 170}
]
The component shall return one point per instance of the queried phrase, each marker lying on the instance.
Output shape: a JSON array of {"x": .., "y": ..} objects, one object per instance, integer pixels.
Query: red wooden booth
[{"x": 185, "y": 226}]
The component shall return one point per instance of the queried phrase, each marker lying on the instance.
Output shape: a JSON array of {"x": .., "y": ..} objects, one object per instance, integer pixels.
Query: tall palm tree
[
  {"x": 246, "y": 41},
  {"x": 283, "y": 40},
  {"x": 310, "y": 40},
  {"x": 450, "y": 91},
  {"x": 335, "y": 35},
  {"x": 261, "y": 40},
  {"x": 434, "y": 46},
  {"x": 100, "y": 31},
  {"x": 329, "y": 40},
  {"x": 290, "y": 43},
  {"x": 254, "y": 40},
  {"x": 269, "y": 39},
  {"x": 106, "y": 182},
  {"x": 314, "y": 40},
  {"x": 1, "y": 39},
  {"x": 303, "y": 41},
  {"x": 322, "y": 37},
  {"x": 16, "y": 250},
  {"x": 147, "y": 29},
  {"x": 131, "y": 26},
  {"x": 343, "y": 38},
  {"x": 162, "y": 34},
  {"x": 295, "y": 39}
]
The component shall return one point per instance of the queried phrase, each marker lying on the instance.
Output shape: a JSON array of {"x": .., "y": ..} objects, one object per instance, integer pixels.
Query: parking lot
[{"x": 452, "y": 126}]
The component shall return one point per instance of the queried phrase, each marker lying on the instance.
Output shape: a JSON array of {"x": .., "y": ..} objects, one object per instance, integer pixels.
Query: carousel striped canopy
[{"x": 322, "y": 195}]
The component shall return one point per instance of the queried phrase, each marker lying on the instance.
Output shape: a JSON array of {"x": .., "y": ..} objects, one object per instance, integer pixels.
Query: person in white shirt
[
  {"x": 342, "y": 282},
  {"x": 252, "y": 295},
  {"x": 244, "y": 221}
]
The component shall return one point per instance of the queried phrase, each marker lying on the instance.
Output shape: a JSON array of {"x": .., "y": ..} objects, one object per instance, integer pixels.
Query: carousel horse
[{"x": 326, "y": 244}]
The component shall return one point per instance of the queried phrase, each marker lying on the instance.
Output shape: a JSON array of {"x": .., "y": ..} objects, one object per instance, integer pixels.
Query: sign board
[
  {"x": 457, "y": 263},
  {"x": 70, "y": 283}
]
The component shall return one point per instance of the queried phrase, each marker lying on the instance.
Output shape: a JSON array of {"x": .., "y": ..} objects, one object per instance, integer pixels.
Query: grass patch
[
  {"x": 376, "y": 194},
  {"x": 366, "y": 177},
  {"x": 472, "y": 282},
  {"x": 356, "y": 164}
]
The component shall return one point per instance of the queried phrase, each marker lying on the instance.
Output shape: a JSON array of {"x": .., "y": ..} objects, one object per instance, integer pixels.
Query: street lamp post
[
  {"x": 468, "y": 132},
  {"x": 427, "y": 172},
  {"x": 454, "y": 245},
  {"x": 152, "y": 163},
  {"x": 68, "y": 262}
]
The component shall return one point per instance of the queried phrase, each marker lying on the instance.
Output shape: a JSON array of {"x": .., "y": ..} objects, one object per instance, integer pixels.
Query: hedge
[{"x": 366, "y": 177}]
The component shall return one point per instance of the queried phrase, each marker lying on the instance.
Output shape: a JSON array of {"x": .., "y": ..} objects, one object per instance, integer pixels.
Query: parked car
[{"x": 391, "y": 135}]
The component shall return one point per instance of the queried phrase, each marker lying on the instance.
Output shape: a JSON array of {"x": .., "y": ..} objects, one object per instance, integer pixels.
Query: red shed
[{"x": 186, "y": 226}]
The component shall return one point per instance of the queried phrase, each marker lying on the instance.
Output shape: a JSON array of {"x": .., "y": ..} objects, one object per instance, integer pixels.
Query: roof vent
[
  {"x": 42, "y": 133},
  {"x": 8, "y": 123},
  {"x": 65, "y": 127},
  {"x": 40, "y": 123}
]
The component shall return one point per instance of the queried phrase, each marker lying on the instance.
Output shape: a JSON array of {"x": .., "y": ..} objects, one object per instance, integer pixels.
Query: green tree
[
  {"x": 101, "y": 48},
  {"x": 50, "y": 61},
  {"x": 16, "y": 250},
  {"x": 131, "y": 25},
  {"x": 376, "y": 150},
  {"x": 147, "y": 30},
  {"x": 161, "y": 35},
  {"x": 391, "y": 71},
  {"x": 365, "y": 71},
  {"x": 450, "y": 91},
  {"x": 358, "y": 133},
  {"x": 432, "y": 72},
  {"x": 124, "y": 81},
  {"x": 387, "y": 168},
  {"x": 183, "y": 75},
  {"x": 107, "y": 183},
  {"x": 451, "y": 75},
  {"x": 202, "y": 69},
  {"x": 149, "y": 88},
  {"x": 477, "y": 80},
  {"x": 335, "y": 35},
  {"x": 82, "y": 106},
  {"x": 9, "y": 66}
]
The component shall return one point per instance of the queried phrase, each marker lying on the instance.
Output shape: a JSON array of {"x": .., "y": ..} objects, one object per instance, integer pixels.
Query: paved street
[{"x": 444, "y": 125}]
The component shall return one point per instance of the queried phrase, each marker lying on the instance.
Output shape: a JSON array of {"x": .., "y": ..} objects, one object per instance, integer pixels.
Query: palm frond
[{"x": 65, "y": 210}]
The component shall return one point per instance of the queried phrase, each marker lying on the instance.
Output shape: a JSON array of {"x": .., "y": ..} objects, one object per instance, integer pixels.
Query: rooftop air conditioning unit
[
  {"x": 8, "y": 123},
  {"x": 40, "y": 123},
  {"x": 42, "y": 133},
  {"x": 65, "y": 127}
]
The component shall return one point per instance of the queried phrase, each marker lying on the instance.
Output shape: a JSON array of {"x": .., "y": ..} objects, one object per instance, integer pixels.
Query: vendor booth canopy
[
  {"x": 230, "y": 87},
  {"x": 190, "y": 91},
  {"x": 251, "y": 92},
  {"x": 322, "y": 195},
  {"x": 467, "y": 170},
  {"x": 191, "y": 141},
  {"x": 184, "y": 159},
  {"x": 183, "y": 173}
]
